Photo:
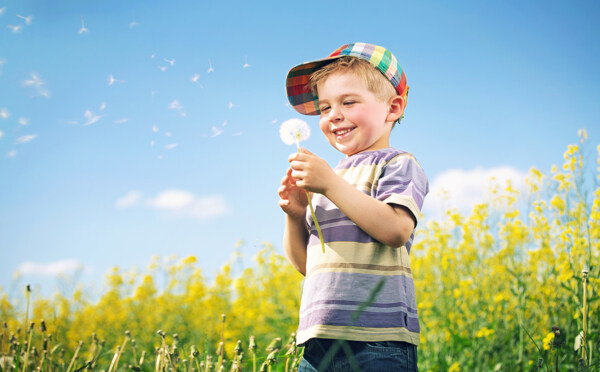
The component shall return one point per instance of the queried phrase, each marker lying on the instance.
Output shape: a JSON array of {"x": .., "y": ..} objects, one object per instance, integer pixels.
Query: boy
[{"x": 358, "y": 309}]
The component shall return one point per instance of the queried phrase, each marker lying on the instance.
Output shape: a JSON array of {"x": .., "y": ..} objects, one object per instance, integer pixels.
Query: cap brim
[{"x": 298, "y": 89}]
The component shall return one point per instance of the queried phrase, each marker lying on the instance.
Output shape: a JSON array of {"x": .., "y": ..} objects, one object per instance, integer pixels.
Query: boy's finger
[
  {"x": 293, "y": 157},
  {"x": 304, "y": 150}
]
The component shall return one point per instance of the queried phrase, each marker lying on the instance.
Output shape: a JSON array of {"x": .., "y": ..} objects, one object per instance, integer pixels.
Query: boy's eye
[
  {"x": 324, "y": 108},
  {"x": 348, "y": 103}
]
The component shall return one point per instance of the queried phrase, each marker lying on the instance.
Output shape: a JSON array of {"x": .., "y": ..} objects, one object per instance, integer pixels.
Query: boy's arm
[
  {"x": 389, "y": 224},
  {"x": 295, "y": 237},
  {"x": 293, "y": 202}
]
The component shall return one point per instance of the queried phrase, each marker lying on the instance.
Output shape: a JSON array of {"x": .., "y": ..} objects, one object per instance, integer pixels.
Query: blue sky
[{"x": 138, "y": 128}]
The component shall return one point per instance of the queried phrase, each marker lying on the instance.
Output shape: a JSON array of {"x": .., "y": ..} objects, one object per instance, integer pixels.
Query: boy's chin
[{"x": 347, "y": 151}]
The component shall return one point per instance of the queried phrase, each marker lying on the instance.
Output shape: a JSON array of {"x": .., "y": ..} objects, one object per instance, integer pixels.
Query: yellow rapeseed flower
[
  {"x": 558, "y": 203},
  {"x": 484, "y": 332},
  {"x": 455, "y": 367},
  {"x": 548, "y": 341}
]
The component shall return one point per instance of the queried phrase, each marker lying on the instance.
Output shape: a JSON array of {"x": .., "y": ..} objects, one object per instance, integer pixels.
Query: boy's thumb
[{"x": 305, "y": 151}]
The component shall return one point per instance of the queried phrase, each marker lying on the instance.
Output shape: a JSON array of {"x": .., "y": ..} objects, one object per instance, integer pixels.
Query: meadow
[{"x": 511, "y": 286}]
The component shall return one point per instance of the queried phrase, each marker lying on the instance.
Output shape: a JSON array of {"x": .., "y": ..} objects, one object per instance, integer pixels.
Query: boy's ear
[{"x": 396, "y": 108}]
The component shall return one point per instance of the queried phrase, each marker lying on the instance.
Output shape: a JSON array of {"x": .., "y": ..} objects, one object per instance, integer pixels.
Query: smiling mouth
[{"x": 341, "y": 132}]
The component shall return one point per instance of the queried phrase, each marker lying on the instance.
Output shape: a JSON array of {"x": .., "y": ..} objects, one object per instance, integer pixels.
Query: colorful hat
[{"x": 297, "y": 82}]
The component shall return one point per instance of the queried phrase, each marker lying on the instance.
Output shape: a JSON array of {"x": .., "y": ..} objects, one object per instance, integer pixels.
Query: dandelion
[{"x": 293, "y": 131}]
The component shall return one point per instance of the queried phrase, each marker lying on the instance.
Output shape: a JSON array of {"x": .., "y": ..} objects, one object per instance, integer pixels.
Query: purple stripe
[
  {"x": 394, "y": 182},
  {"x": 369, "y": 158},
  {"x": 339, "y": 216},
  {"x": 358, "y": 303},
  {"x": 356, "y": 287},
  {"x": 410, "y": 188},
  {"x": 349, "y": 233},
  {"x": 366, "y": 319}
]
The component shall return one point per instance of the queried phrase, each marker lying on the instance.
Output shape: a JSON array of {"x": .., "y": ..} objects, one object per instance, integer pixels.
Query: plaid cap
[{"x": 297, "y": 82}]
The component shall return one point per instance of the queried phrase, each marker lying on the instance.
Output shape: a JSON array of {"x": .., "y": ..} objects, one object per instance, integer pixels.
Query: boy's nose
[{"x": 335, "y": 114}]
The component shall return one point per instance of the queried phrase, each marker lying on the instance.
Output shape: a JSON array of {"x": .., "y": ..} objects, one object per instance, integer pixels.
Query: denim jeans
[{"x": 321, "y": 355}]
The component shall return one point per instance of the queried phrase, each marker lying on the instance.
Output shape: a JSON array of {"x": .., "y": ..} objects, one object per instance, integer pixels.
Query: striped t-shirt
[{"x": 339, "y": 283}]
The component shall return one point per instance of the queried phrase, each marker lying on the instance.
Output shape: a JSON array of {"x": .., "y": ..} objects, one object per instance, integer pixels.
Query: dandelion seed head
[{"x": 293, "y": 131}]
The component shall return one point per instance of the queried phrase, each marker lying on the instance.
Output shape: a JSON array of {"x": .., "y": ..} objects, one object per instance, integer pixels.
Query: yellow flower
[
  {"x": 548, "y": 341},
  {"x": 455, "y": 367},
  {"x": 558, "y": 203},
  {"x": 484, "y": 332}
]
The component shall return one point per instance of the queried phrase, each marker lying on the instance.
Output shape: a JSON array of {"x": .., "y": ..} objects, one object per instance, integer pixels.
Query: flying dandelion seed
[
  {"x": 25, "y": 139},
  {"x": 27, "y": 19},
  {"x": 15, "y": 29},
  {"x": 83, "y": 29}
]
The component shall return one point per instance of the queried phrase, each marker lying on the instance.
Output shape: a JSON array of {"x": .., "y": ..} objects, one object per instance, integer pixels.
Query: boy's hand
[
  {"x": 310, "y": 172},
  {"x": 293, "y": 199}
]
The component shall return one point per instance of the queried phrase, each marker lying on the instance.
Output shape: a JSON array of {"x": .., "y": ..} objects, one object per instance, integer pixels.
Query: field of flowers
[{"x": 513, "y": 286}]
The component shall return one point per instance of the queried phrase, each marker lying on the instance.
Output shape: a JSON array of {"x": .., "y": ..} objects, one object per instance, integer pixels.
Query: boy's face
[{"x": 353, "y": 118}]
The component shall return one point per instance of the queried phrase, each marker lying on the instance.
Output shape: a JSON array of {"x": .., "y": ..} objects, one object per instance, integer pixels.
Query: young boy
[{"x": 358, "y": 309}]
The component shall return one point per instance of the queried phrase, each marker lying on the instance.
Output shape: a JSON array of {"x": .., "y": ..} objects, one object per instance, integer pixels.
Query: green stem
[
  {"x": 26, "y": 362},
  {"x": 312, "y": 211}
]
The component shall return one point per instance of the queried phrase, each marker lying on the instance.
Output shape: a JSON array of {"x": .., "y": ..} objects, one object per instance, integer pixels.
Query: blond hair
[{"x": 375, "y": 81}]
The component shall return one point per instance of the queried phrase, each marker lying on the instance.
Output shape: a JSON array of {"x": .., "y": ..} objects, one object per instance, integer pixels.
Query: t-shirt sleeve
[{"x": 402, "y": 181}]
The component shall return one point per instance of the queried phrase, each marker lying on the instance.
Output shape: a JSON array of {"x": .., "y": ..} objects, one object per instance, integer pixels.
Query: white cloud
[
  {"x": 173, "y": 199},
  {"x": 50, "y": 268},
  {"x": 184, "y": 203},
  {"x": 463, "y": 189},
  {"x": 209, "y": 206},
  {"x": 180, "y": 203},
  {"x": 131, "y": 199}
]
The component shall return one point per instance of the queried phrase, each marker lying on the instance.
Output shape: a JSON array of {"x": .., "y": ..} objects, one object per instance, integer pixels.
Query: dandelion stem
[
  {"x": 4, "y": 328},
  {"x": 119, "y": 352},
  {"x": 114, "y": 359},
  {"x": 585, "y": 311},
  {"x": 27, "y": 292},
  {"x": 25, "y": 362},
  {"x": 223, "y": 316},
  {"x": 74, "y": 356},
  {"x": 312, "y": 211}
]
